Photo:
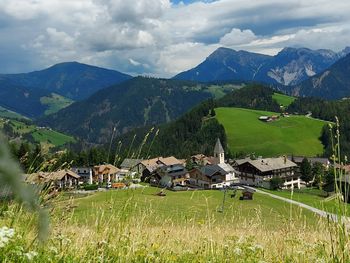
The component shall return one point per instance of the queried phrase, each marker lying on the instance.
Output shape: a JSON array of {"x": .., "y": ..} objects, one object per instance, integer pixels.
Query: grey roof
[
  {"x": 223, "y": 168},
  {"x": 270, "y": 164},
  {"x": 226, "y": 167},
  {"x": 174, "y": 170},
  {"x": 130, "y": 163},
  {"x": 241, "y": 161},
  {"x": 299, "y": 159},
  {"x": 218, "y": 147}
]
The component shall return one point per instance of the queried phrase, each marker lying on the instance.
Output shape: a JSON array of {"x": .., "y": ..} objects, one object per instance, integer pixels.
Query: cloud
[
  {"x": 163, "y": 37},
  {"x": 237, "y": 37}
]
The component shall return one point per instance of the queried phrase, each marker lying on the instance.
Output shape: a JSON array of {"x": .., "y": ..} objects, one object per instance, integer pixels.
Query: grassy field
[
  {"x": 315, "y": 198},
  {"x": 189, "y": 207},
  {"x": 296, "y": 135},
  {"x": 283, "y": 100},
  {"x": 55, "y": 103},
  {"x": 137, "y": 226},
  {"x": 46, "y": 137}
]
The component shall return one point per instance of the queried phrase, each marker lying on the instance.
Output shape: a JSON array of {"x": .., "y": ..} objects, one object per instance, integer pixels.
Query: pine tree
[{"x": 306, "y": 170}]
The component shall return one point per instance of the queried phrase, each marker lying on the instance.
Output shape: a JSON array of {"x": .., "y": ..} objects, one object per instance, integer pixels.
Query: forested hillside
[
  {"x": 121, "y": 108},
  {"x": 196, "y": 131}
]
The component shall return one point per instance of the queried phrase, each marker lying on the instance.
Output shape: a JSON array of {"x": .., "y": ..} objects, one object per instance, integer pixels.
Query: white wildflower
[
  {"x": 30, "y": 255},
  {"x": 53, "y": 250},
  {"x": 5, "y": 235},
  {"x": 237, "y": 251}
]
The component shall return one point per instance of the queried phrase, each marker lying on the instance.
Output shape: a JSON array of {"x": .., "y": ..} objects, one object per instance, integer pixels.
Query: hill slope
[
  {"x": 333, "y": 83},
  {"x": 25, "y": 131},
  {"x": 288, "y": 67},
  {"x": 197, "y": 130},
  {"x": 135, "y": 103},
  {"x": 296, "y": 135},
  {"x": 71, "y": 79},
  {"x": 21, "y": 99}
]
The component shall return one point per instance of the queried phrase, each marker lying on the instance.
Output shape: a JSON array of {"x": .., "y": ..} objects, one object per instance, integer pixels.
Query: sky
[{"x": 161, "y": 37}]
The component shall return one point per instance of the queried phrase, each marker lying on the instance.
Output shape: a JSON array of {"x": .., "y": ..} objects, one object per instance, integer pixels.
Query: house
[
  {"x": 64, "y": 179},
  {"x": 220, "y": 175},
  {"x": 298, "y": 160},
  {"x": 170, "y": 176},
  {"x": 130, "y": 165},
  {"x": 61, "y": 179},
  {"x": 147, "y": 167},
  {"x": 199, "y": 179},
  {"x": 201, "y": 160},
  {"x": 130, "y": 168},
  {"x": 260, "y": 171},
  {"x": 105, "y": 173},
  {"x": 85, "y": 174}
]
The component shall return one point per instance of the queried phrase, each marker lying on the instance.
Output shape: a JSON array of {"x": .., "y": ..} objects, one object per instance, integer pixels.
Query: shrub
[
  {"x": 276, "y": 183},
  {"x": 90, "y": 187}
]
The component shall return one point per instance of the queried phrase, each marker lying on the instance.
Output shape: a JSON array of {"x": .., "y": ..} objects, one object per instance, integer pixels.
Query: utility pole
[{"x": 223, "y": 201}]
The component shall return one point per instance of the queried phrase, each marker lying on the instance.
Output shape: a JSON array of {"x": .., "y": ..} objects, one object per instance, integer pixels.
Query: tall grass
[{"x": 134, "y": 231}]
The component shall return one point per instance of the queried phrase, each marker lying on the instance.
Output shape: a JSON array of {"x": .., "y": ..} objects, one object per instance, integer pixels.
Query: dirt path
[{"x": 320, "y": 212}]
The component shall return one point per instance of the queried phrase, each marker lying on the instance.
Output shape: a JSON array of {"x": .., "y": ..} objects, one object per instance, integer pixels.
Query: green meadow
[
  {"x": 195, "y": 207},
  {"x": 283, "y": 100},
  {"x": 46, "y": 137},
  {"x": 55, "y": 103},
  {"x": 297, "y": 135}
]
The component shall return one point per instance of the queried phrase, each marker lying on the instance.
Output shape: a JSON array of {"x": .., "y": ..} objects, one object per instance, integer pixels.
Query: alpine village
[{"x": 230, "y": 147}]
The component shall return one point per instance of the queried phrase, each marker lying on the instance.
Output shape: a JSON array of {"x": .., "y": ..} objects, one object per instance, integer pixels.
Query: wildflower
[
  {"x": 30, "y": 255},
  {"x": 237, "y": 251},
  {"x": 5, "y": 235},
  {"x": 53, "y": 249}
]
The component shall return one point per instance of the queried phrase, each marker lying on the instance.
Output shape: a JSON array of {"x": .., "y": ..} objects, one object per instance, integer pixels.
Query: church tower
[{"x": 219, "y": 152}]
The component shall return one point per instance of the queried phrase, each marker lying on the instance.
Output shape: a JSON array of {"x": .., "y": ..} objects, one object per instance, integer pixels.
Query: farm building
[
  {"x": 105, "y": 173},
  {"x": 130, "y": 164},
  {"x": 170, "y": 176},
  {"x": 62, "y": 179},
  {"x": 298, "y": 160},
  {"x": 85, "y": 174},
  {"x": 146, "y": 167},
  {"x": 260, "y": 171}
]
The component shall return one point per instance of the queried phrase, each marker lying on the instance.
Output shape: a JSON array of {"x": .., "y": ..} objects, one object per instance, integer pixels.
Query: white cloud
[
  {"x": 162, "y": 37},
  {"x": 237, "y": 37},
  {"x": 134, "y": 62}
]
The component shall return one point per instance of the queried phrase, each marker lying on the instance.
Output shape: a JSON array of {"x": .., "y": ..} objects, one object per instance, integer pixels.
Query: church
[{"x": 217, "y": 174}]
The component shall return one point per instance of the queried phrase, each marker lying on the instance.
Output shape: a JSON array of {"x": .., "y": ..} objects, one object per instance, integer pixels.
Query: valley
[{"x": 165, "y": 131}]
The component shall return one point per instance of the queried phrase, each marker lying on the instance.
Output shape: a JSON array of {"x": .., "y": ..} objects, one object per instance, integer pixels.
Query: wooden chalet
[
  {"x": 147, "y": 167},
  {"x": 105, "y": 173},
  {"x": 260, "y": 171},
  {"x": 212, "y": 176},
  {"x": 62, "y": 179},
  {"x": 170, "y": 176}
]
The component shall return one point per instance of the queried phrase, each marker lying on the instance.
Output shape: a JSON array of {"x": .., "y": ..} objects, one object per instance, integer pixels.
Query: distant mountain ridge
[
  {"x": 73, "y": 80},
  {"x": 289, "y": 67},
  {"x": 135, "y": 103},
  {"x": 21, "y": 99},
  {"x": 333, "y": 83}
]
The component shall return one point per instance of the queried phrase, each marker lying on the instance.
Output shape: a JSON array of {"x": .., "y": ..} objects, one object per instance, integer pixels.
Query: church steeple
[{"x": 219, "y": 152}]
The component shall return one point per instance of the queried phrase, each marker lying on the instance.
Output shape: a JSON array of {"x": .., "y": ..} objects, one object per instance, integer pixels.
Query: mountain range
[
  {"x": 289, "y": 67},
  {"x": 25, "y": 93},
  {"x": 333, "y": 83}
]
